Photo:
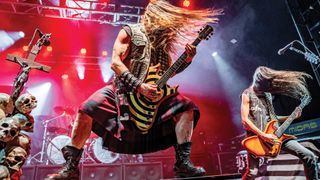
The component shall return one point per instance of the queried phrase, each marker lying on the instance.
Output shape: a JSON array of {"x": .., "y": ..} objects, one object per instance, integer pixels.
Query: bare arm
[
  {"x": 120, "y": 52},
  {"x": 245, "y": 106}
]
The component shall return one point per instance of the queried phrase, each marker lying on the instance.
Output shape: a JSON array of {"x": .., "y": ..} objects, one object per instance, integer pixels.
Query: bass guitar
[
  {"x": 260, "y": 148},
  {"x": 144, "y": 110}
]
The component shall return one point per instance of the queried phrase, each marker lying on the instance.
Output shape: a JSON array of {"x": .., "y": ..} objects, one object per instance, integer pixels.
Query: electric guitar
[
  {"x": 259, "y": 148},
  {"x": 144, "y": 110}
]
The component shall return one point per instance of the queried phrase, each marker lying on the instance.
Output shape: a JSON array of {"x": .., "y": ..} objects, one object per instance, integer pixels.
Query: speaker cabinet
[
  {"x": 43, "y": 170},
  {"x": 28, "y": 173},
  {"x": 143, "y": 171},
  {"x": 101, "y": 171}
]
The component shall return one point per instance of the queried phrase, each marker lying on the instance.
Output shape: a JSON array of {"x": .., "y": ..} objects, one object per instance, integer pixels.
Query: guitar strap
[{"x": 270, "y": 105}]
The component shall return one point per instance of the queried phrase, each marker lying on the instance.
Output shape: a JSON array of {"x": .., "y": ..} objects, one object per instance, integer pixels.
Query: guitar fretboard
[{"x": 173, "y": 69}]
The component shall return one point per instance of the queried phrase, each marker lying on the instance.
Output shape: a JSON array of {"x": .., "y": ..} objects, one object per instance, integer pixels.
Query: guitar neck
[
  {"x": 173, "y": 69},
  {"x": 284, "y": 126}
]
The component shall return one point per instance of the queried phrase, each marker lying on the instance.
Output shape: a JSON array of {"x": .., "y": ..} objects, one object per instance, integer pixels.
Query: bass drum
[
  {"x": 101, "y": 154},
  {"x": 54, "y": 148}
]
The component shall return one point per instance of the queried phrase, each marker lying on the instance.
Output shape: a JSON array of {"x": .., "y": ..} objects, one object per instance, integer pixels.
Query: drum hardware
[
  {"x": 102, "y": 154},
  {"x": 41, "y": 154}
]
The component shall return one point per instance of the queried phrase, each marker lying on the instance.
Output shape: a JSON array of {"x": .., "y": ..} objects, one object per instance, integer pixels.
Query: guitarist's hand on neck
[
  {"x": 191, "y": 52},
  {"x": 149, "y": 90}
]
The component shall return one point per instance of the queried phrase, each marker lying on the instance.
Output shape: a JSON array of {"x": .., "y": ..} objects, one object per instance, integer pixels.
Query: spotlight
[
  {"x": 25, "y": 48},
  {"x": 65, "y": 76},
  {"x": 80, "y": 70},
  {"x": 104, "y": 53},
  {"x": 21, "y": 34},
  {"x": 233, "y": 41},
  {"x": 214, "y": 54},
  {"x": 186, "y": 3},
  {"x": 49, "y": 48},
  {"x": 83, "y": 51}
]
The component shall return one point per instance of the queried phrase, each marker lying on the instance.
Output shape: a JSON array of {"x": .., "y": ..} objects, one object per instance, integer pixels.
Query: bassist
[{"x": 257, "y": 110}]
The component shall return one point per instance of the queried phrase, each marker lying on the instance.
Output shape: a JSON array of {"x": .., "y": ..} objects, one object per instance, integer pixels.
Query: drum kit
[{"x": 57, "y": 134}]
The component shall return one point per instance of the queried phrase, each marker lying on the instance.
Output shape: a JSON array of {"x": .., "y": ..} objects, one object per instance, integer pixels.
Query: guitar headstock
[
  {"x": 305, "y": 100},
  {"x": 206, "y": 32}
]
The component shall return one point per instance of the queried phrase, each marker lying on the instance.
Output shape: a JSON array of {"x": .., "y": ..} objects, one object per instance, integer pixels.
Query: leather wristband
[{"x": 130, "y": 82}]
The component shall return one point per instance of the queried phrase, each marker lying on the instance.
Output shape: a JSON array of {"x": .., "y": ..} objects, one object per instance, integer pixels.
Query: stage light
[
  {"x": 233, "y": 41},
  {"x": 21, "y": 34},
  {"x": 49, "y": 48},
  {"x": 186, "y": 3},
  {"x": 25, "y": 48},
  {"x": 214, "y": 54},
  {"x": 65, "y": 76},
  {"x": 80, "y": 70},
  {"x": 7, "y": 39},
  {"x": 104, "y": 53},
  {"x": 105, "y": 69},
  {"x": 41, "y": 92},
  {"x": 83, "y": 51}
]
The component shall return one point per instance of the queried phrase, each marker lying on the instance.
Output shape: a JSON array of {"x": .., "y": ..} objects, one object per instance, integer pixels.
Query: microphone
[
  {"x": 46, "y": 38},
  {"x": 282, "y": 50}
]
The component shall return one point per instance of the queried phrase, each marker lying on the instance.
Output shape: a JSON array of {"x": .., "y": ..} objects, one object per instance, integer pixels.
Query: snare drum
[
  {"x": 101, "y": 154},
  {"x": 54, "y": 148}
]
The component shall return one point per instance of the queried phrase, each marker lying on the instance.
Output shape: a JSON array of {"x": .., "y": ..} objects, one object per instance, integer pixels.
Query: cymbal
[{"x": 61, "y": 110}]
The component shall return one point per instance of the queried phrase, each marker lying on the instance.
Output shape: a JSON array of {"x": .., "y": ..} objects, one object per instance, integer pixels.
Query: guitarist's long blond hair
[
  {"x": 289, "y": 83},
  {"x": 167, "y": 25}
]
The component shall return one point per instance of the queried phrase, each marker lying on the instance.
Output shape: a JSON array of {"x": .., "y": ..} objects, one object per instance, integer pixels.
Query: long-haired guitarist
[
  {"x": 257, "y": 110},
  {"x": 137, "y": 47}
]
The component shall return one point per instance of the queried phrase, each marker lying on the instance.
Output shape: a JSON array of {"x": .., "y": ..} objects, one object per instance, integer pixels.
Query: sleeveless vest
[
  {"x": 261, "y": 109},
  {"x": 140, "y": 53}
]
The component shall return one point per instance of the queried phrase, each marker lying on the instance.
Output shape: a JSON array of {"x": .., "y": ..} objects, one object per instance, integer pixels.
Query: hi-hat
[{"x": 61, "y": 110}]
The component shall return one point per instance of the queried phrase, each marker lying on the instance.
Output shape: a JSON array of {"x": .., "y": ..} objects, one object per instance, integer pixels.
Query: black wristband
[{"x": 131, "y": 82}]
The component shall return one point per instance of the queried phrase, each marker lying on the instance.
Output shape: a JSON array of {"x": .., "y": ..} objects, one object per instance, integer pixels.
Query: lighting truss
[{"x": 84, "y": 10}]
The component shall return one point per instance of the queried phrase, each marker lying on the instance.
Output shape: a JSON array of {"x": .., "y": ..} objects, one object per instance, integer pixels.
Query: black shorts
[{"x": 102, "y": 108}]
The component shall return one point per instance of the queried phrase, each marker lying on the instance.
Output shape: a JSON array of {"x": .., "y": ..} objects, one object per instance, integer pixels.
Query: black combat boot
[
  {"x": 183, "y": 166},
  {"x": 70, "y": 170}
]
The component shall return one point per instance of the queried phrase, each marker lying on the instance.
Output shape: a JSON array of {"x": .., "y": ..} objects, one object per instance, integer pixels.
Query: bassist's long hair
[
  {"x": 167, "y": 25},
  {"x": 289, "y": 83}
]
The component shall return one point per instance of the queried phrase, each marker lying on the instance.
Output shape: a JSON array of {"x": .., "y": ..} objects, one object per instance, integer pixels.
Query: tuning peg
[{"x": 211, "y": 33}]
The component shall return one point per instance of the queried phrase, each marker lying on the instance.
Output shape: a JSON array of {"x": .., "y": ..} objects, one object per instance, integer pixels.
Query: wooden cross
[{"x": 27, "y": 65}]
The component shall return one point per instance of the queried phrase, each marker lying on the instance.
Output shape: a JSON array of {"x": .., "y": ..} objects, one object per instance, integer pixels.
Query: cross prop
[{"x": 27, "y": 64}]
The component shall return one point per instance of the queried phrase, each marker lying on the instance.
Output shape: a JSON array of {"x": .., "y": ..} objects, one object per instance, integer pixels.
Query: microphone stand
[{"x": 308, "y": 55}]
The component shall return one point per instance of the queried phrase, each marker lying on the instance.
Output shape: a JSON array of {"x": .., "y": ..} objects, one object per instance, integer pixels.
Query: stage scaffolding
[
  {"x": 84, "y": 10},
  {"x": 306, "y": 17}
]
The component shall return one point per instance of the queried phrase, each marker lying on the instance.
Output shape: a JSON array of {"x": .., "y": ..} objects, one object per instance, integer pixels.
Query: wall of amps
[{"x": 139, "y": 171}]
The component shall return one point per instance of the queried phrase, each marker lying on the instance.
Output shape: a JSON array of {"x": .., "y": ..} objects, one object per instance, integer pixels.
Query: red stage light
[
  {"x": 104, "y": 53},
  {"x": 83, "y": 51},
  {"x": 65, "y": 76},
  {"x": 186, "y": 3},
  {"x": 49, "y": 48},
  {"x": 25, "y": 48}
]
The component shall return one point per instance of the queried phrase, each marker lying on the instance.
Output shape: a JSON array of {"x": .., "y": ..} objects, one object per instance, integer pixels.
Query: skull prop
[
  {"x": 6, "y": 104},
  {"x": 15, "y": 158},
  {"x": 22, "y": 140},
  {"x": 25, "y": 103},
  {"x": 9, "y": 129},
  {"x": 26, "y": 121},
  {"x": 4, "y": 173}
]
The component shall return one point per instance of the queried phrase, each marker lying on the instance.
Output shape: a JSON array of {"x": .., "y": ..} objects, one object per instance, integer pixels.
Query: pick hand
[
  {"x": 271, "y": 138},
  {"x": 149, "y": 90}
]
